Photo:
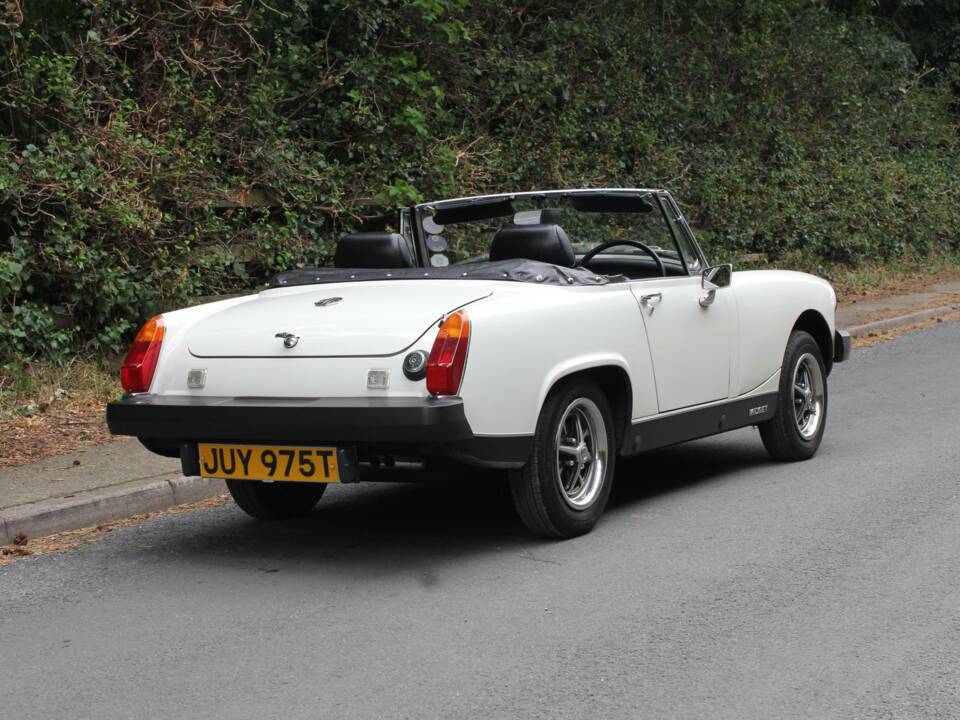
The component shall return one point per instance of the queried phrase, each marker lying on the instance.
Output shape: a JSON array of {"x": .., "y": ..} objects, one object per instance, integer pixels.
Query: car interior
[{"x": 536, "y": 234}]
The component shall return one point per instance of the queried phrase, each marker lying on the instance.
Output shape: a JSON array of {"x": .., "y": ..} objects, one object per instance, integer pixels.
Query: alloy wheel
[
  {"x": 808, "y": 395},
  {"x": 581, "y": 460}
]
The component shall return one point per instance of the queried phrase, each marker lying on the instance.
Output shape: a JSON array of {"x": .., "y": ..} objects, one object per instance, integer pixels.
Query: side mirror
[
  {"x": 714, "y": 278},
  {"x": 718, "y": 276}
]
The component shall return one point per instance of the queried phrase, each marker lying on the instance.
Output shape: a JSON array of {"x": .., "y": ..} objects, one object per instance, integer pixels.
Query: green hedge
[{"x": 152, "y": 152}]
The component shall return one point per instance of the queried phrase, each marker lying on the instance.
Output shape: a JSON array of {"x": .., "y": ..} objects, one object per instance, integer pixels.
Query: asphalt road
[{"x": 718, "y": 585}]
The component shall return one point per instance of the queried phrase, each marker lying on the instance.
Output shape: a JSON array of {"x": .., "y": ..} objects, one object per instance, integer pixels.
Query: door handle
[{"x": 650, "y": 301}]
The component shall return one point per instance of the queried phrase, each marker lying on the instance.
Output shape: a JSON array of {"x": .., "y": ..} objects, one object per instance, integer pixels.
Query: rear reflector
[
  {"x": 136, "y": 374},
  {"x": 449, "y": 355}
]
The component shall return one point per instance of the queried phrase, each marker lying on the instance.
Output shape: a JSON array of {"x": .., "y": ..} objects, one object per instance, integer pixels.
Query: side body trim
[{"x": 697, "y": 423}]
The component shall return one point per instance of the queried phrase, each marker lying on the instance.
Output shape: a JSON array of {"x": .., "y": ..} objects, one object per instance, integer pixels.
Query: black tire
[
  {"x": 545, "y": 507},
  {"x": 782, "y": 435},
  {"x": 275, "y": 501}
]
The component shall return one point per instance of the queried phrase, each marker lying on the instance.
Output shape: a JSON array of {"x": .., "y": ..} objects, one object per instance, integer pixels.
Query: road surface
[{"x": 718, "y": 585}]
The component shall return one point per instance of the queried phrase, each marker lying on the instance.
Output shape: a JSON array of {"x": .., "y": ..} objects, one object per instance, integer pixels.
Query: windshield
[{"x": 457, "y": 234}]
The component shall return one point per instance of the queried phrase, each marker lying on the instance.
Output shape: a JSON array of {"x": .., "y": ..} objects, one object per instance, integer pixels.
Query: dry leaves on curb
[
  {"x": 59, "y": 430},
  {"x": 875, "y": 338},
  {"x": 72, "y": 539},
  {"x": 13, "y": 553}
]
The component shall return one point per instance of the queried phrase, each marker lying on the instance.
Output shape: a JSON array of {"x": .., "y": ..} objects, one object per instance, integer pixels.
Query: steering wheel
[{"x": 593, "y": 252}]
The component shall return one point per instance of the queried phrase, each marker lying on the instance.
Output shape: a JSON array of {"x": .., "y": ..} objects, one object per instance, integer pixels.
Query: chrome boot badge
[{"x": 289, "y": 339}]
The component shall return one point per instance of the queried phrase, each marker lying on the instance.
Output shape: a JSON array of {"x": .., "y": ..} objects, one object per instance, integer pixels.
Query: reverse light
[
  {"x": 136, "y": 374},
  {"x": 449, "y": 355}
]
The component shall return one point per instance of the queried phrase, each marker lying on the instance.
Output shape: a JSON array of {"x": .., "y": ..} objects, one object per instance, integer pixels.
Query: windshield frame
[{"x": 661, "y": 199}]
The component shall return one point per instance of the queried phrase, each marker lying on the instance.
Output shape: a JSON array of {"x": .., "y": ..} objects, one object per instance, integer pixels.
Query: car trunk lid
[{"x": 331, "y": 320}]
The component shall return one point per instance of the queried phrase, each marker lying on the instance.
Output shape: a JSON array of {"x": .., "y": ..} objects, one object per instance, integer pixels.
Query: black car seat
[
  {"x": 544, "y": 242},
  {"x": 374, "y": 250}
]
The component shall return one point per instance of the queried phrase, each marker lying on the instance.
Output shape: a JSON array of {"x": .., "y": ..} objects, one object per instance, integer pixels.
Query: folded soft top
[{"x": 514, "y": 270}]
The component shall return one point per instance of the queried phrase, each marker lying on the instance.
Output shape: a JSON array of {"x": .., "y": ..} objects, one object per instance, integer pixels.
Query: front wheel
[
  {"x": 796, "y": 429},
  {"x": 562, "y": 490},
  {"x": 275, "y": 501}
]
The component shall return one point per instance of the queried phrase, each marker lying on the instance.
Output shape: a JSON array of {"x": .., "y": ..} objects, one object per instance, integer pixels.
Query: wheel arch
[
  {"x": 613, "y": 380},
  {"x": 812, "y": 322}
]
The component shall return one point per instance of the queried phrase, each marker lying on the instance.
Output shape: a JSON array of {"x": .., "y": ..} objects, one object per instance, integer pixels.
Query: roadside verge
[{"x": 888, "y": 324}]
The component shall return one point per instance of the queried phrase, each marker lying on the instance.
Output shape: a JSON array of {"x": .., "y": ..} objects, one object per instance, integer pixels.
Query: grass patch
[
  {"x": 33, "y": 388},
  {"x": 894, "y": 278},
  {"x": 871, "y": 279},
  {"x": 47, "y": 409}
]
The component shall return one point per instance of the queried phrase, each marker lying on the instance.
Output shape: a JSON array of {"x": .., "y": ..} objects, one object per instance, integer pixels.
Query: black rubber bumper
[
  {"x": 841, "y": 346},
  {"x": 417, "y": 426}
]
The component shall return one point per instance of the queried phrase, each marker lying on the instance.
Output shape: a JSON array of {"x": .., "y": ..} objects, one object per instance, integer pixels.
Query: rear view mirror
[
  {"x": 718, "y": 276},
  {"x": 527, "y": 217},
  {"x": 543, "y": 216}
]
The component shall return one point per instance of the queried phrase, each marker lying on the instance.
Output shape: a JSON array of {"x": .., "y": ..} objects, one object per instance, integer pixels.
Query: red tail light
[
  {"x": 141, "y": 361},
  {"x": 449, "y": 355}
]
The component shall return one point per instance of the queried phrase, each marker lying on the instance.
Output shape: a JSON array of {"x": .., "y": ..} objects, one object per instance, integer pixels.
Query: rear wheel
[
  {"x": 796, "y": 429},
  {"x": 275, "y": 501},
  {"x": 562, "y": 491}
]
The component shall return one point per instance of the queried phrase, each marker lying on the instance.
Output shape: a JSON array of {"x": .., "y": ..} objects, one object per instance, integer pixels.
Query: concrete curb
[
  {"x": 901, "y": 320},
  {"x": 103, "y": 505}
]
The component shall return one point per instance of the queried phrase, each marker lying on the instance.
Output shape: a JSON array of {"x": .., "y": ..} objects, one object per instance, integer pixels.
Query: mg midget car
[{"x": 544, "y": 333}]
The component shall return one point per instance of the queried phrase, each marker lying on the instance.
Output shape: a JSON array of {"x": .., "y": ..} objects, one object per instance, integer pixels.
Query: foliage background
[{"x": 153, "y": 151}]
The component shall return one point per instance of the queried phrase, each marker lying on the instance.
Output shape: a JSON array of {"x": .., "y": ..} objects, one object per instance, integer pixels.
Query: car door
[{"x": 690, "y": 344}]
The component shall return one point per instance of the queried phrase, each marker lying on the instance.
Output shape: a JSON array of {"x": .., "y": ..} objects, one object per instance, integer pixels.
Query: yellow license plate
[{"x": 269, "y": 462}]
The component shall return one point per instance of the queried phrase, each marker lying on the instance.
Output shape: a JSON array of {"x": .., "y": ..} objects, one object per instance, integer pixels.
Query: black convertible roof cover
[{"x": 514, "y": 270}]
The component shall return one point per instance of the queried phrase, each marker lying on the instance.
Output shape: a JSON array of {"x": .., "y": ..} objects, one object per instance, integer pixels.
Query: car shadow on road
[
  {"x": 374, "y": 528},
  {"x": 683, "y": 467}
]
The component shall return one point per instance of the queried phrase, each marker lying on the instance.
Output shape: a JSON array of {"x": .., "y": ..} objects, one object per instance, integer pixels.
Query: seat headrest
[
  {"x": 373, "y": 250},
  {"x": 546, "y": 243}
]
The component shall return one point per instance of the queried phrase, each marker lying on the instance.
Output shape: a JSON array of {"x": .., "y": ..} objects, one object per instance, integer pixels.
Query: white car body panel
[
  {"x": 525, "y": 337},
  {"x": 691, "y": 345},
  {"x": 769, "y": 302}
]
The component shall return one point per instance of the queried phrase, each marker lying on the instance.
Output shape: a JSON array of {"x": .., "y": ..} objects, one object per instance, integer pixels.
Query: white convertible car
[{"x": 545, "y": 333}]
